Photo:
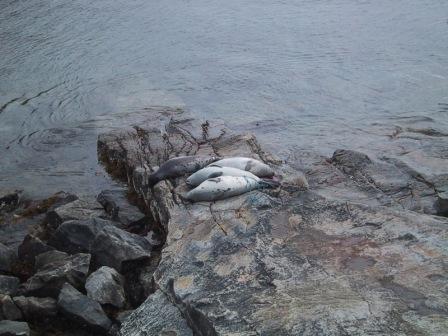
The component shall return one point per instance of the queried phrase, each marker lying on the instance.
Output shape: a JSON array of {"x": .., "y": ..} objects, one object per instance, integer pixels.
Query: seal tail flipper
[{"x": 268, "y": 183}]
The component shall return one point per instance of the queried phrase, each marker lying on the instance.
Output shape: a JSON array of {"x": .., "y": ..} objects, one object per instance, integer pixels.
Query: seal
[
  {"x": 222, "y": 187},
  {"x": 214, "y": 170},
  {"x": 256, "y": 167},
  {"x": 180, "y": 166}
]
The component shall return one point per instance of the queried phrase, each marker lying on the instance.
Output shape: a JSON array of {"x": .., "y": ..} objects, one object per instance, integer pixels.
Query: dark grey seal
[{"x": 180, "y": 166}]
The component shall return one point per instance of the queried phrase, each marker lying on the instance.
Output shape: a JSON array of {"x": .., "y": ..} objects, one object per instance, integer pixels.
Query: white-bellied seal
[
  {"x": 222, "y": 187},
  {"x": 216, "y": 171},
  {"x": 180, "y": 166},
  {"x": 256, "y": 167}
]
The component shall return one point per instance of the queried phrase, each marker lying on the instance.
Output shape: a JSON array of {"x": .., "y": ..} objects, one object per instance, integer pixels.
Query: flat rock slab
[
  {"x": 48, "y": 281},
  {"x": 14, "y": 328},
  {"x": 147, "y": 320},
  {"x": 290, "y": 262},
  {"x": 82, "y": 310}
]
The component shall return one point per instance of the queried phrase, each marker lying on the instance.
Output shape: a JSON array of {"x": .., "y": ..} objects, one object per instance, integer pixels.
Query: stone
[
  {"x": 120, "y": 210},
  {"x": 146, "y": 320},
  {"x": 9, "y": 284},
  {"x": 79, "y": 210},
  {"x": 35, "y": 308},
  {"x": 48, "y": 281},
  {"x": 82, "y": 310},
  {"x": 442, "y": 203},
  {"x": 8, "y": 310},
  {"x": 119, "y": 249},
  {"x": 77, "y": 236},
  {"x": 105, "y": 286},
  {"x": 32, "y": 247},
  {"x": 359, "y": 252},
  {"x": 43, "y": 259},
  {"x": 7, "y": 258},
  {"x": 8, "y": 200},
  {"x": 14, "y": 328}
]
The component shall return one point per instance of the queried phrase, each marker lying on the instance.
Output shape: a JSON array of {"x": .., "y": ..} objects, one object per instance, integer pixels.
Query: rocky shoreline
[{"x": 348, "y": 245}]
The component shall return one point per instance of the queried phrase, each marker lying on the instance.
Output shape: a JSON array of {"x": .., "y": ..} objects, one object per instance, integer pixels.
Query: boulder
[
  {"x": 146, "y": 320},
  {"x": 119, "y": 249},
  {"x": 105, "y": 286},
  {"x": 120, "y": 210},
  {"x": 7, "y": 258},
  {"x": 48, "y": 281},
  {"x": 82, "y": 310},
  {"x": 14, "y": 328},
  {"x": 43, "y": 259},
  {"x": 30, "y": 248},
  {"x": 8, "y": 284},
  {"x": 76, "y": 236},
  {"x": 35, "y": 308},
  {"x": 8, "y": 310},
  {"x": 79, "y": 210}
]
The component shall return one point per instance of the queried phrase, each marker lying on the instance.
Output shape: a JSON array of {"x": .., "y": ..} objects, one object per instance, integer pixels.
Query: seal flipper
[{"x": 266, "y": 183}]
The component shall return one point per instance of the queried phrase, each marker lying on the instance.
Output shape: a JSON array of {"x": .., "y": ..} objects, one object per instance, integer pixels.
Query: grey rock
[
  {"x": 31, "y": 247},
  {"x": 442, "y": 203},
  {"x": 79, "y": 210},
  {"x": 48, "y": 281},
  {"x": 43, "y": 259},
  {"x": 8, "y": 284},
  {"x": 7, "y": 258},
  {"x": 146, "y": 320},
  {"x": 120, "y": 210},
  {"x": 34, "y": 308},
  {"x": 77, "y": 236},
  {"x": 8, "y": 310},
  {"x": 120, "y": 249},
  {"x": 122, "y": 316},
  {"x": 105, "y": 286},
  {"x": 356, "y": 254},
  {"x": 14, "y": 328},
  {"x": 83, "y": 310}
]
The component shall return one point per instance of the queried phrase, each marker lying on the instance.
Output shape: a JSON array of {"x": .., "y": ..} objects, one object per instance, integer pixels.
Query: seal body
[
  {"x": 180, "y": 166},
  {"x": 216, "y": 171},
  {"x": 256, "y": 167},
  {"x": 222, "y": 187}
]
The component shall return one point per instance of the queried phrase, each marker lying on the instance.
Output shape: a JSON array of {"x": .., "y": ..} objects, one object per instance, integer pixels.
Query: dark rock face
[
  {"x": 82, "y": 310},
  {"x": 8, "y": 200},
  {"x": 77, "y": 236},
  {"x": 48, "y": 281},
  {"x": 105, "y": 286},
  {"x": 14, "y": 328},
  {"x": 31, "y": 247},
  {"x": 120, "y": 210},
  {"x": 43, "y": 259},
  {"x": 119, "y": 249},
  {"x": 358, "y": 253},
  {"x": 34, "y": 308},
  {"x": 7, "y": 258},
  {"x": 8, "y": 284},
  {"x": 8, "y": 310},
  {"x": 79, "y": 210},
  {"x": 146, "y": 319}
]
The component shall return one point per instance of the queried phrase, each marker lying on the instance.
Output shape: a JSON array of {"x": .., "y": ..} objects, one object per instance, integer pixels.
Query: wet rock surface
[
  {"x": 357, "y": 253},
  {"x": 82, "y": 310},
  {"x": 9, "y": 284}
]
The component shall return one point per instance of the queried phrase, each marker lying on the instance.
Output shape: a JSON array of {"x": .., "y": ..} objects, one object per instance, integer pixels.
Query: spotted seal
[
  {"x": 214, "y": 170},
  {"x": 256, "y": 167},
  {"x": 180, "y": 166}
]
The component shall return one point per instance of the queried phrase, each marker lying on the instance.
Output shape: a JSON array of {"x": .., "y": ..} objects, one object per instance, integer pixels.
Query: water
[{"x": 309, "y": 74}]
